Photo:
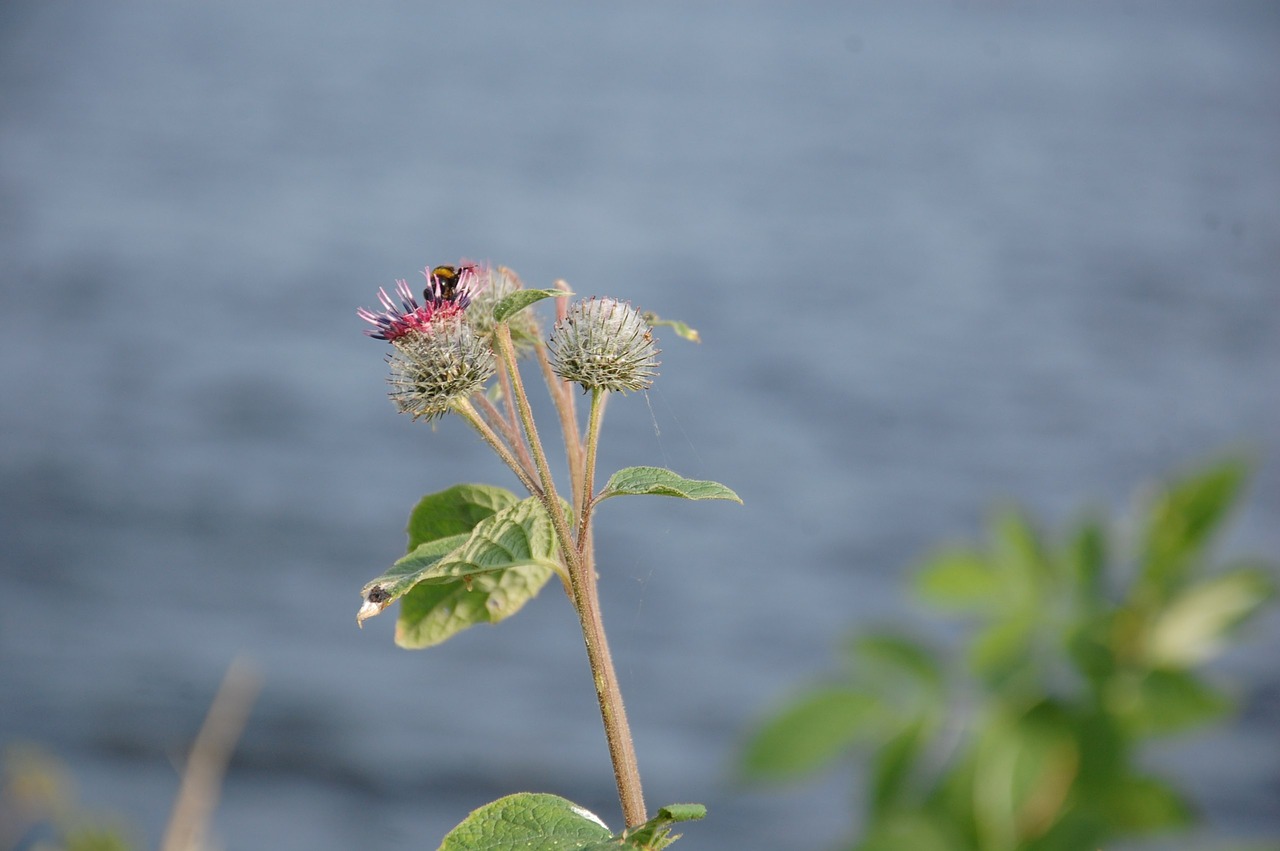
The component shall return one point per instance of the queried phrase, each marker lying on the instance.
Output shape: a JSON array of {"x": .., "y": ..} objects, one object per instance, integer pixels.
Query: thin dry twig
[{"x": 188, "y": 828}]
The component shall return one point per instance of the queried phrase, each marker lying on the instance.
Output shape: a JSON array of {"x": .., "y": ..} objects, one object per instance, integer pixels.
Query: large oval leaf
[
  {"x": 432, "y": 613},
  {"x": 455, "y": 511},
  {"x": 483, "y": 577}
]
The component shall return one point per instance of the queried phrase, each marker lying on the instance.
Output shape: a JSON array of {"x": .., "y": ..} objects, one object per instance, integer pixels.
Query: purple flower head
[{"x": 448, "y": 293}]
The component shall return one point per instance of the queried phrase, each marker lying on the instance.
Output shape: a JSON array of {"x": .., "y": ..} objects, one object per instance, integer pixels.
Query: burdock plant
[{"x": 477, "y": 553}]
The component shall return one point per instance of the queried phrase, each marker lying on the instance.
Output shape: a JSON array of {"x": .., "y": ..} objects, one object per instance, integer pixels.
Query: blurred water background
[{"x": 941, "y": 255}]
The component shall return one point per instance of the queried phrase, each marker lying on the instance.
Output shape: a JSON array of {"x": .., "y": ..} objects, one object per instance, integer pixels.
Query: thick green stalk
[{"x": 626, "y": 771}]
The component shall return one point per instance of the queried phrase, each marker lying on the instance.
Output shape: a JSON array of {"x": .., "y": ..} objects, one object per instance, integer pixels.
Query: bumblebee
[{"x": 446, "y": 278}]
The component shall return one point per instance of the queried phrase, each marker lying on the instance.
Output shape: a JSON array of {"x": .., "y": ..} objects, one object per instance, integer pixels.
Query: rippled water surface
[{"x": 940, "y": 256}]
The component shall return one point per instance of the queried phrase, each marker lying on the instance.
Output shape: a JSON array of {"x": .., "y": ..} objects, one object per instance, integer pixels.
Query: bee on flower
[
  {"x": 437, "y": 359},
  {"x": 449, "y": 292}
]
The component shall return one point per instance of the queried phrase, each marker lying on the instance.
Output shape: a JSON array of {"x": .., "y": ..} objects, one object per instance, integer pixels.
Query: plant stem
[
  {"x": 617, "y": 732},
  {"x": 508, "y": 430},
  {"x": 471, "y": 415},
  {"x": 505, "y": 381},
  {"x": 596, "y": 416},
  {"x": 562, "y": 394}
]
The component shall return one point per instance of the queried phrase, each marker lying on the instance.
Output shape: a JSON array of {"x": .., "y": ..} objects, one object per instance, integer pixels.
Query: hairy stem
[
  {"x": 626, "y": 771},
  {"x": 562, "y": 394},
  {"x": 598, "y": 398},
  {"x": 471, "y": 415},
  {"x": 498, "y": 420}
]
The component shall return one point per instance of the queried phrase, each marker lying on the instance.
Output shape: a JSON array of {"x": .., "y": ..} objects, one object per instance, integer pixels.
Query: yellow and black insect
[{"x": 445, "y": 279}]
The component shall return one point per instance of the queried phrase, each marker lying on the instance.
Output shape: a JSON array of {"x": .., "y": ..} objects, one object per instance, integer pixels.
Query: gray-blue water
[{"x": 940, "y": 255}]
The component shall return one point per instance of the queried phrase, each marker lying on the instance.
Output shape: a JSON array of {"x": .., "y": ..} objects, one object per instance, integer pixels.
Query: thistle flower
[
  {"x": 604, "y": 344},
  {"x": 431, "y": 371},
  {"x": 449, "y": 291},
  {"x": 436, "y": 358}
]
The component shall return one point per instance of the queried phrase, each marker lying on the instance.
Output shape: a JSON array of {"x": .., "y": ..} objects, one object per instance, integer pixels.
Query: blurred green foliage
[
  {"x": 39, "y": 810},
  {"x": 1027, "y": 732}
]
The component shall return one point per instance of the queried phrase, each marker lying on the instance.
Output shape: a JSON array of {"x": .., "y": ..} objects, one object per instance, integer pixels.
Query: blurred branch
[{"x": 207, "y": 764}]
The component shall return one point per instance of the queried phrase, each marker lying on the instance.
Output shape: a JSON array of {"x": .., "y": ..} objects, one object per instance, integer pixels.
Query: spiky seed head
[
  {"x": 604, "y": 344},
  {"x": 430, "y": 372}
]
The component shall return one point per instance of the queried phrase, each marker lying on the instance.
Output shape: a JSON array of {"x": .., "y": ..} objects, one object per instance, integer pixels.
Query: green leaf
[
  {"x": 1087, "y": 557},
  {"x": 520, "y": 299},
  {"x": 656, "y": 480},
  {"x": 529, "y": 822},
  {"x": 502, "y": 565},
  {"x": 1002, "y": 650},
  {"x": 681, "y": 812},
  {"x": 886, "y": 660},
  {"x": 515, "y": 536},
  {"x": 909, "y": 830},
  {"x": 455, "y": 511},
  {"x": 1183, "y": 520},
  {"x": 1147, "y": 804},
  {"x": 403, "y": 575},
  {"x": 483, "y": 577},
  {"x": 656, "y": 832},
  {"x": 1020, "y": 553},
  {"x": 432, "y": 613},
  {"x": 1174, "y": 701},
  {"x": 811, "y": 732},
  {"x": 676, "y": 325},
  {"x": 962, "y": 579},
  {"x": 892, "y": 769},
  {"x": 1193, "y": 627}
]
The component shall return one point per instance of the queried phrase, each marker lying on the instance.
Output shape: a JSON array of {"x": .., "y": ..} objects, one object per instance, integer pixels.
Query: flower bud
[
  {"x": 604, "y": 344},
  {"x": 429, "y": 372},
  {"x": 495, "y": 285}
]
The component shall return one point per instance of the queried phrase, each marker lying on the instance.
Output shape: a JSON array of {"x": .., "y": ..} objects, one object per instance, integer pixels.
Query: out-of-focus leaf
[
  {"x": 1174, "y": 700},
  {"x": 1018, "y": 547},
  {"x": 1003, "y": 649},
  {"x": 1090, "y": 650},
  {"x": 1088, "y": 559},
  {"x": 811, "y": 732},
  {"x": 1047, "y": 767},
  {"x": 884, "y": 661},
  {"x": 961, "y": 579},
  {"x": 908, "y": 832},
  {"x": 892, "y": 769},
  {"x": 994, "y": 804},
  {"x": 1193, "y": 626},
  {"x": 1183, "y": 520},
  {"x": 1146, "y": 805}
]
